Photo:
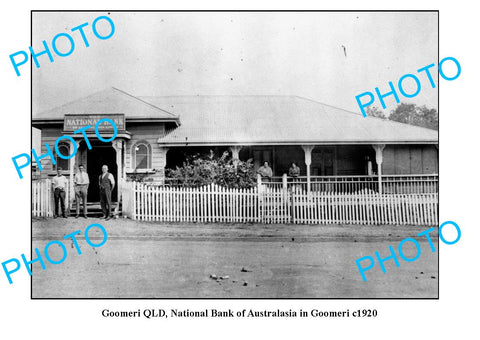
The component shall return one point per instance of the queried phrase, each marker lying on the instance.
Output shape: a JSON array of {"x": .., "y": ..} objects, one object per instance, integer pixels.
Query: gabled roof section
[
  {"x": 278, "y": 120},
  {"x": 111, "y": 100}
]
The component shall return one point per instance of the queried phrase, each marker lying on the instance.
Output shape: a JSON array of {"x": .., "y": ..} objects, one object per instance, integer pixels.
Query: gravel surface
[{"x": 213, "y": 260}]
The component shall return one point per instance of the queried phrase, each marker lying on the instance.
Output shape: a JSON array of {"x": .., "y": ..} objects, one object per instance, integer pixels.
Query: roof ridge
[
  {"x": 105, "y": 90},
  {"x": 221, "y": 95},
  {"x": 71, "y": 102},
  {"x": 335, "y": 107},
  {"x": 141, "y": 100}
]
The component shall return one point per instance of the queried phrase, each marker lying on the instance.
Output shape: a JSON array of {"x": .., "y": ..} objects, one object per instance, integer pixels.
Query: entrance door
[{"x": 98, "y": 156}]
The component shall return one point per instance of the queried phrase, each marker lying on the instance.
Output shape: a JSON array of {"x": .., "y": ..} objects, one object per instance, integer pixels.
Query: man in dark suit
[{"x": 106, "y": 183}]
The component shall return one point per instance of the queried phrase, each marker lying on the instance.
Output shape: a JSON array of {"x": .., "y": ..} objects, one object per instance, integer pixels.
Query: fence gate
[{"x": 275, "y": 205}]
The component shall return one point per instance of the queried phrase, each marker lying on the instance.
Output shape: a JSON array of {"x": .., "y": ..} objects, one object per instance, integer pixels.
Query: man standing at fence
[
  {"x": 106, "y": 183},
  {"x": 81, "y": 189},
  {"x": 266, "y": 172},
  {"x": 59, "y": 183}
]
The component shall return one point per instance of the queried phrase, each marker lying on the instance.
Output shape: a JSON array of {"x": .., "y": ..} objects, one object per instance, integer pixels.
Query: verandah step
[{"x": 93, "y": 209}]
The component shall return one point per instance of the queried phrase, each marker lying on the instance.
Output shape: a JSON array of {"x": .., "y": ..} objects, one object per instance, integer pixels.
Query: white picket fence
[
  {"x": 205, "y": 204},
  {"x": 264, "y": 204},
  {"x": 368, "y": 208},
  {"x": 43, "y": 204},
  {"x": 261, "y": 204}
]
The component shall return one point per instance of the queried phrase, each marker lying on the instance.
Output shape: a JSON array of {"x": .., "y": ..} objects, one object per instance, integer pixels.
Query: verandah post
[
  {"x": 308, "y": 160},
  {"x": 70, "y": 194},
  {"x": 260, "y": 198},
  {"x": 235, "y": 149},
  {"x": 379, "y": 159}
]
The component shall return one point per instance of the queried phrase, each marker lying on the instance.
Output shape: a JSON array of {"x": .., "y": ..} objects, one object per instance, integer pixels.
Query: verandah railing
[{"x": 391, "y": 184}]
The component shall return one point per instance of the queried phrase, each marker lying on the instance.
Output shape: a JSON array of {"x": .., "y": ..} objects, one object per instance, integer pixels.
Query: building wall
[
  {"x": 48, "y": 135},
  {"x": 347, "y": 160},
  {"x": 410, "y": 159},
  {"x": 148, "y": 133},
  {"x": 342, "y": 160},
  {"x": 285, "y": 156},
  {"x": 353, "y": 159}
]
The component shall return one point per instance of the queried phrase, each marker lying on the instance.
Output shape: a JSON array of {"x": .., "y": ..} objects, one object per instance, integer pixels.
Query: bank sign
[{"x": 75, "y": 122}]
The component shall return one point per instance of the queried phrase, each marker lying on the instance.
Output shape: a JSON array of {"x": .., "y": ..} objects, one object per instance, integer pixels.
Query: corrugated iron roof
[
  {"x": 210, "y": 120},
  {"x": 247, "y": 120},
  {"x": 111, "y": 100}
]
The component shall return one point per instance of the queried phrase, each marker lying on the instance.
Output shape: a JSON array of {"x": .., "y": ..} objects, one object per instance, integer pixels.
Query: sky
[{"x": 329, "y": 57}]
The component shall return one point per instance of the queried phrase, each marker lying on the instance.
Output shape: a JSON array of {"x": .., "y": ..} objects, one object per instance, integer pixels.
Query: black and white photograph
[
  {"x": 240, "y": 170},
  {"x": 230, "y": 154}
]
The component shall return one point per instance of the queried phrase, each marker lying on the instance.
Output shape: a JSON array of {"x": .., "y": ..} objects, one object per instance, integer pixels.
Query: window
[
  {"x": 64, "y": 149},
  {"x": 142, "y": 158}
]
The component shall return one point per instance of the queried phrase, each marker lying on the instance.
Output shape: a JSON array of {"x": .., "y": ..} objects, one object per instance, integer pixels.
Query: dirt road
[{"x": 153, "y": 260}]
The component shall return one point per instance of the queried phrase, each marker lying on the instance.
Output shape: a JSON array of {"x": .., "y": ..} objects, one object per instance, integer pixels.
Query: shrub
[{"x": 199, "y": 170}]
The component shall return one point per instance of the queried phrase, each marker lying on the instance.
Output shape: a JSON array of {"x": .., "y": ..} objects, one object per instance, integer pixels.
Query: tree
[
  {"x": 415, "y": 115},
  {"x": 199, "y": 170},
  {"x": 373, "y": 111},
  {"x": 430, "y": 117}
]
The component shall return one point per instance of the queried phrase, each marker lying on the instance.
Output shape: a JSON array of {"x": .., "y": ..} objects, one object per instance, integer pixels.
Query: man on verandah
[
  {"x": 81, "y": 190},
  {"x": 294, "y": 172},
  {"x": 106, "y": 183},
  {"x": 59, "y": 183},
  {"x": 266, "y": 172}
]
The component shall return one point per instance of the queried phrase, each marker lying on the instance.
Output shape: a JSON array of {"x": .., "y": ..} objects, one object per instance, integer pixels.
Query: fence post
[
  {"x": 134, "y": 200},
  {"x": 50, "y": 199},
  {"x": 292, "y": 210},
  {"x": 261, "y": 208}
]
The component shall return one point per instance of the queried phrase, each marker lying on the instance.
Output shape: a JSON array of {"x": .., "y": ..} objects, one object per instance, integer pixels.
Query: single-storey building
[{"x": 155, "y": 133}]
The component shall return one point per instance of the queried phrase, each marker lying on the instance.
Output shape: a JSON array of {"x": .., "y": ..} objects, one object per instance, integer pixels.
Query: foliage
[
  {"x": 409, "y": 114},
  {"x": 201, "y": 170},
  {"x": 373, "y": 111},
  {"x": 138, "y": 176},
  {"x": 415, "y": 115}
]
